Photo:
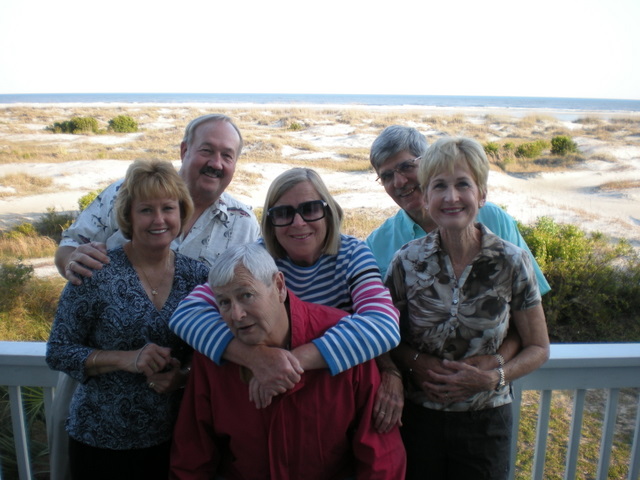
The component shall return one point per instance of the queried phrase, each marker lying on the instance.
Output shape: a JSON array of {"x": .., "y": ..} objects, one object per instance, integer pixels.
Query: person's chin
[{"x": 411, "y": 202}]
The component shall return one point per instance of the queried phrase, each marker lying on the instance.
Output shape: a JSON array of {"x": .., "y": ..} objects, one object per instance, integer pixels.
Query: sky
[{"x": 547, "y": 48}]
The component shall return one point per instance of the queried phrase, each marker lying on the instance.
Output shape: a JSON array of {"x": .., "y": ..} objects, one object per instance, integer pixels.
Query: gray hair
[
  {"x": 189, "y": 132},
  {"x": 252, "y": 256},
  {"x": 394, "y": 139}
]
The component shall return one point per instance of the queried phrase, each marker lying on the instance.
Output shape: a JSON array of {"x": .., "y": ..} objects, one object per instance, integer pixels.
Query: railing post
[
  {"x": 19, "y": 433},
  {"x": 607, "y": 433},
  {"x": 575, "y": 432},
  {"x": 634, "y": 465}
]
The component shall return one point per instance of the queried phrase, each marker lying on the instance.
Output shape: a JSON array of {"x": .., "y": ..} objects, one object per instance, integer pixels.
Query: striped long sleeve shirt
[{"x": 349, "y": 280}]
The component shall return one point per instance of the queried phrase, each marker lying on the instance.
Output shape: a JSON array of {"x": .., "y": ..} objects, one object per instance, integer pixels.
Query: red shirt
[{"x": 321, "y": 429}]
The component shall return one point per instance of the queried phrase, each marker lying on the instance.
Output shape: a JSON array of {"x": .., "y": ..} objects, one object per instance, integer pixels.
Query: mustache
[{"x": 212, "y": 172}]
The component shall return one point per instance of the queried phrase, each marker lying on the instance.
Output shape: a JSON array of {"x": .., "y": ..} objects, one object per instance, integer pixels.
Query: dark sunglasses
[{"x": 283, "y": 215}]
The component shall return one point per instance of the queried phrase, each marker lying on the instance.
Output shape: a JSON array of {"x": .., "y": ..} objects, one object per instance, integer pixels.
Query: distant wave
[{"x": 574, "y": 104}]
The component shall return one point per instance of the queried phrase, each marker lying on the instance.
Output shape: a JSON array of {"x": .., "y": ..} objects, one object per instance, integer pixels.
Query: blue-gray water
[{"x": 574, "y": 104}]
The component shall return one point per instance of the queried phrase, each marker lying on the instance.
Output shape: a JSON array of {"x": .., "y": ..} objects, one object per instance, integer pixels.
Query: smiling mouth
[
  {"x": 452, "y": 211},
  {"x": 301, "y": 236},
  {"x": 406, "y": 193},
  {"x": 211, "y": 172},
  {"x": 158, "y": 232}
]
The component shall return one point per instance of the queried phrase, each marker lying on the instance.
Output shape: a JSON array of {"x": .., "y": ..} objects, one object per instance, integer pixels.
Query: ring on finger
[
  {"x": 382, "y": 413},
  {"x": 151, "y": 384},
  {"x": 69, "y": 264}
]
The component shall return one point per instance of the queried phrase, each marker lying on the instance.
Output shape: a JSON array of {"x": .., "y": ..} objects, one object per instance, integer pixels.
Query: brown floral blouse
[{"x": 455, "y": 318}]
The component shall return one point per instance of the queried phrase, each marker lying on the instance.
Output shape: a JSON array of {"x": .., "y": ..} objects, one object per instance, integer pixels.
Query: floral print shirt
[{"x": 455, "y": 318}]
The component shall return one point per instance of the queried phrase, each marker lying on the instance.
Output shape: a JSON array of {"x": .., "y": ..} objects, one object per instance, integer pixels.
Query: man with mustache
[{"x": 209, "y": 151}]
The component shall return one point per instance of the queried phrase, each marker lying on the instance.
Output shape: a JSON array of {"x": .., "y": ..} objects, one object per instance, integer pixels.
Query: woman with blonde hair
[
  {"x": 301, "y": 224},
  {"x": 457, "y": 289},
  {"x": 111, "y": 334}
]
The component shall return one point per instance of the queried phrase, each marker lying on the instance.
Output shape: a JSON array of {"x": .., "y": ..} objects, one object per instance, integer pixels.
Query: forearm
[
  {"x": 532, "y": 329},
  {"x": 358, "y": 338},
  {"x": 198, "y": 322},
  {"x": 310, "y": 357},
  {"x": 528, "y": 360},
  {"x": 105, "y": 361}
]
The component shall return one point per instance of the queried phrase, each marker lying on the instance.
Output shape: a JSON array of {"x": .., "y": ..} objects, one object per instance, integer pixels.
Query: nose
[
  {"x": 298, "y": 220},
  {"x": 398, "y": 179},
  {"x": 236, "y": 312},
  {"x": 215, "y": 160},
  {"x": 451, "y": 195},
  {"x": 158, "y": 216}
]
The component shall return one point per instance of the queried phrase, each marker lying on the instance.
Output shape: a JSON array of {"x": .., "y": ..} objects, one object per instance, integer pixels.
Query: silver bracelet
[
  {"x": 500, "y": 359},
  {"x": 502, "y": 381},
  {"x": 135, "y": 362}
]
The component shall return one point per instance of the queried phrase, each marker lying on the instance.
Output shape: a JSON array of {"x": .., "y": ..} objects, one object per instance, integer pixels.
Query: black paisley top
[{"x": 111, "y": 311}]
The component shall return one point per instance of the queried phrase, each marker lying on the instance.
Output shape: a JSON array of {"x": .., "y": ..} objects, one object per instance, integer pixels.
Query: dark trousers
[
  {"x": 105, "y": 464},
  {"x": 457, "y": 445}
]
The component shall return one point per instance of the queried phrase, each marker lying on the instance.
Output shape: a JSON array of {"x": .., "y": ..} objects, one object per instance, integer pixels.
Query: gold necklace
[{"x": 154, "y": 290}]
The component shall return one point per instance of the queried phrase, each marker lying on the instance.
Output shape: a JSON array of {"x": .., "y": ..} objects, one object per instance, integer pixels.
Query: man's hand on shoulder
[{"x": 76, "y": 262}]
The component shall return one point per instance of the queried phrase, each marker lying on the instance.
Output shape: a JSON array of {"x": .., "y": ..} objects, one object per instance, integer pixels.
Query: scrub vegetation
[{"x": 595, "y": 281}]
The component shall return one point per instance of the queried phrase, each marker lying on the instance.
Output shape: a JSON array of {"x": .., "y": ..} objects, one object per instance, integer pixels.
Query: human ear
[{"x": 280, "y": 286}]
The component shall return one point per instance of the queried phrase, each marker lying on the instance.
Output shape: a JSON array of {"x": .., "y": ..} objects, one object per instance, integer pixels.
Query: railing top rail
[
  {"x": 581, "y": 355},
  {"x": 30, "y": 353}
]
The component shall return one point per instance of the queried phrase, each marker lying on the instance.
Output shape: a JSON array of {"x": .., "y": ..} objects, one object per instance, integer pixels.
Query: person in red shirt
[{"x": 320, "y": 429}]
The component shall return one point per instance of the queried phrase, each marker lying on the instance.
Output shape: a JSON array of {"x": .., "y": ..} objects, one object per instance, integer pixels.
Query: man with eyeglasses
[{"x": 395, "y": 156}]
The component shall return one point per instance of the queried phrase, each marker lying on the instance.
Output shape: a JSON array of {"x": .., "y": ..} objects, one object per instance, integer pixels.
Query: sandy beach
[{"x": 78, "y": 164}]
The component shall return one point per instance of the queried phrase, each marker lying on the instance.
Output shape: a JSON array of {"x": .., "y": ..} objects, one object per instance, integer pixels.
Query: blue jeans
[{"x": 457, "y": 445}]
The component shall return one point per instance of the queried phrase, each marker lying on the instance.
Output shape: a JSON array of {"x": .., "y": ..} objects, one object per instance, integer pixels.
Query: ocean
[{"x": 440, "y": 101}]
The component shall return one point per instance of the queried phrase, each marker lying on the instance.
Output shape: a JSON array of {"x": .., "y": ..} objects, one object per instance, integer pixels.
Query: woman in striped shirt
[{"x": 301, "y": 229}]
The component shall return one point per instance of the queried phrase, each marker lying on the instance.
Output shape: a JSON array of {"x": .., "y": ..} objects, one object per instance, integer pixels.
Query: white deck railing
[{"x": 574, "y": 367}]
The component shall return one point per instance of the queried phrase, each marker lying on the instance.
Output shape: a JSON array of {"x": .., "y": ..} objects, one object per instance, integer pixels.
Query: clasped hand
[
  {"x": 275, "y": 371},
  {"x": 161, "y": 369},
  {"x": 448, "y": 381}
]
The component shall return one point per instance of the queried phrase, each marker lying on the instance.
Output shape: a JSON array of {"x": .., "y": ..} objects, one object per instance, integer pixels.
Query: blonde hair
[
  {"x": 281, "y": 185},
  {"x": 443, "y": 155},
  {"x": 146, "y": 179}
]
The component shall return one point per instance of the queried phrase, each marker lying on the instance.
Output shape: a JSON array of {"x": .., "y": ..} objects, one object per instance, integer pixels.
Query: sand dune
[{"x": 571, "y": 196}]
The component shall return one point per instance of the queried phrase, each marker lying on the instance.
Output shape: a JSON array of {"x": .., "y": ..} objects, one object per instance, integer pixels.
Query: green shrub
[
  {"x": 85, "y": 200},
  {"x": 123, "y": 124},
  {"x": 595, "y": 283},
  {"x": 531, "y": 149},
  {"x": 84, "y": 125},
  {"x": 76, "y": 125},
  {"x": 52, "y": 223},
  {"x": 491, "y": 148},
  {"x": 14, "y": 277},
  {"x": 562, "y": 145},
  {"x": 508, "y": 146},
  {"x": 26, "y": 229},
  {"x": 295, "y": 126}
]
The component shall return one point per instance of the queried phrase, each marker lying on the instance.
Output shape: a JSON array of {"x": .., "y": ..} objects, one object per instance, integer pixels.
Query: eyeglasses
[
  {"x": 283, "y": 215},
  {"x": 404, "y": 169}
]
